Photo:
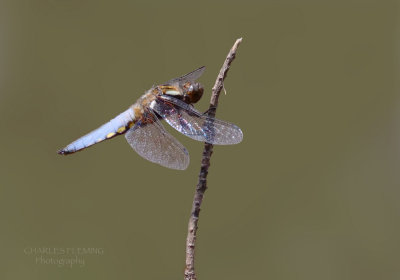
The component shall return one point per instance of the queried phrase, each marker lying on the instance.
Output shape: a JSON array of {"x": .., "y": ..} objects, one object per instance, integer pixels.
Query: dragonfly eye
[{"x": 193, "y": 93}]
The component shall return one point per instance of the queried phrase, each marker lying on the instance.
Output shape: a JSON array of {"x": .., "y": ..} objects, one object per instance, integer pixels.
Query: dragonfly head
[{"x": 193, "y": 93}]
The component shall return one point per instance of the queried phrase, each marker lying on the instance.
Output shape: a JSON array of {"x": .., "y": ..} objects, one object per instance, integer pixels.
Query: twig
[{"x": 205, "y": 164}]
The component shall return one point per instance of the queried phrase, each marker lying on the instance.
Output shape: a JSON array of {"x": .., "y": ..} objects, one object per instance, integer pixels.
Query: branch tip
[{"x": 207, "y": 152}]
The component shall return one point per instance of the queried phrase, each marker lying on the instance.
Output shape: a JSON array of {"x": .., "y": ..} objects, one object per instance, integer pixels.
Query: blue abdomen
[{"x": 118, "y": 125}]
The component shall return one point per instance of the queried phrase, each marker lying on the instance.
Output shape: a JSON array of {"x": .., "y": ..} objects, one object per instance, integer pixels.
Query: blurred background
[{"x": 311, "y": 193}]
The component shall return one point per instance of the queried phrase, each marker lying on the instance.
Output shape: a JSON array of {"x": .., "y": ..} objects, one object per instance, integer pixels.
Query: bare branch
[{"x": 205, "y": 164}]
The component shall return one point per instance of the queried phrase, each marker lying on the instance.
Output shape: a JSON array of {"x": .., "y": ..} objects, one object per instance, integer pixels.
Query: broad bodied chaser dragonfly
[{"x": 143, "y": 130}]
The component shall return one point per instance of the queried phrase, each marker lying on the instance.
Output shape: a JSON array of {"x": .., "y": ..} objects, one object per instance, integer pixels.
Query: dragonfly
[{"x": 141, "y": 123}]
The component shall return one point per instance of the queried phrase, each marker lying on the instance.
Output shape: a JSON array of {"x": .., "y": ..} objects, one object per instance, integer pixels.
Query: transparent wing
[
  {"x": 151, "y": 141},
  {"x": 189, "y": 77},
  {"x": 198, "y": 126}
]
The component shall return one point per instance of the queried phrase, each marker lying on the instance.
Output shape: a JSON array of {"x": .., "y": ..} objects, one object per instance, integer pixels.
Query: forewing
[
  {"x": 154, "y": 143},
  {"x": 198, "y": 126},
  {"x": 189, "y": 77}
]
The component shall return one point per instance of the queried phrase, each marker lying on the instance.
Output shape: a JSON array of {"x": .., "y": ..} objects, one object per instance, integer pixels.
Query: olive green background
[{"x": 312, "y": 192}]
